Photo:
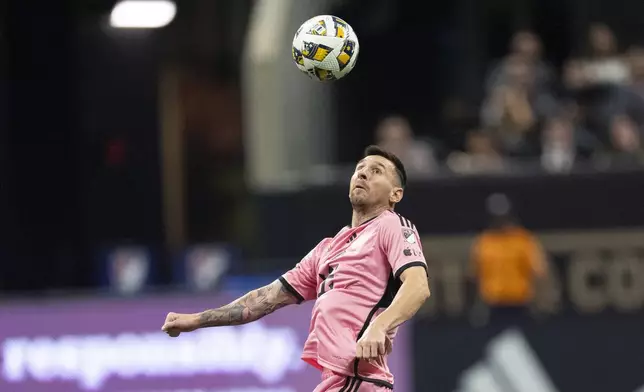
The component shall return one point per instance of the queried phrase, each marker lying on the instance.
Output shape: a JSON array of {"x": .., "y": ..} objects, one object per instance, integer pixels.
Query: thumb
[{"x": 168, "y": 325}]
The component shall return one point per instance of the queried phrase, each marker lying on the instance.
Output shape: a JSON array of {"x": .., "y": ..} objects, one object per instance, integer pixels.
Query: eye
[{"x": 376, "y": 170}]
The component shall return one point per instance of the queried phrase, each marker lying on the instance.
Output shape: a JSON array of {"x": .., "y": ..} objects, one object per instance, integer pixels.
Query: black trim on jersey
[
  {"x": 351, "y": 384},
  {"x": 291, "y": 290},
  {"x": 409, "y": 265},
  {"x": 393, "y": 285},
  {"x": 346, "y": 385},
  {"x": 404, "y": 222}
]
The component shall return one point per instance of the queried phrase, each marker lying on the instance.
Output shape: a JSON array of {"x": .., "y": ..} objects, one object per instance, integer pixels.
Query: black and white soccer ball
[{"x": 325, "y": 48}]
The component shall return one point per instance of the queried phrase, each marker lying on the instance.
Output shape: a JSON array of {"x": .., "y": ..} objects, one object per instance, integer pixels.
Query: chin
[{"x": 358, "y": 200}]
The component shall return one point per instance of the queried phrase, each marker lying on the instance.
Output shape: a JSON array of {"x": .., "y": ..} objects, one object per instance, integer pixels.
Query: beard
[{"x": 359, "y": 200}]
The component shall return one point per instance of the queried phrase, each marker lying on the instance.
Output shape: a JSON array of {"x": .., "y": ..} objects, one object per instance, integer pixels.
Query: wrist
[
  {"x": 200, "y": 319},
  {"x": 381, "y": 323}
]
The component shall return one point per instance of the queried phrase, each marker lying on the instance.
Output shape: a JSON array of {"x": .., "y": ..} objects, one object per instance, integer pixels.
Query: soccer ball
[{"x": 325, "y": 47}]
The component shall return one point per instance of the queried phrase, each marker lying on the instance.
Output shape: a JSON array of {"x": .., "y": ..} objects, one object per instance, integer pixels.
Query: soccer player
[{"x": 365, "y": 281}]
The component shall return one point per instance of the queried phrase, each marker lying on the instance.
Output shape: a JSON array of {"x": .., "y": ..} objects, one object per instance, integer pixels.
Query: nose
[{"x": 362, "y": 175}]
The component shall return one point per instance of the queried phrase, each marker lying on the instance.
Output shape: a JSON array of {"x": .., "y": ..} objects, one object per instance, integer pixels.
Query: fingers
[
  {"x": 374, "y": 350},
  {"x": 381, "y": 348},
  {"x": 366, "y": 351},
  {"x": 171, "y": 329},
  {"x": 169, "y": 322},
  {"x": 370, "y": 350}
]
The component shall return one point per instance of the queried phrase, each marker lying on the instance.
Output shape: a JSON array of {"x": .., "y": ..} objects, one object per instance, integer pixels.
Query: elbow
[
  {"x": 415, "y": 285},
  {"x": 423, "y": 291}
]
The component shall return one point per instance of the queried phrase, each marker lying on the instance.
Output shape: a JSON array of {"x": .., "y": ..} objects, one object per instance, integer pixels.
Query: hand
[
  {"x": 373, "y": 343},
  {"x": 175, "y": 323}
]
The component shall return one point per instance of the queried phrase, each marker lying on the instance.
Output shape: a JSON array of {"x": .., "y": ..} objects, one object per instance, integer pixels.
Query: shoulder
[
  {"x": 323, "y": 244},
  {"x": 315, "y": 252},
  {"x": 392, "y": 224},
  {"x": 393, "y": 219}
]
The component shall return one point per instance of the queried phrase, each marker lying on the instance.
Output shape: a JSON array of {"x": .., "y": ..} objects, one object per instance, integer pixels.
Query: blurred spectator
[
  {"x": 395, "y": 134},
  {"x": 573, "y": 77},
  {"x": 631, "y": 99},
  {"x": 506, "y": 262},
  {"x": 565, "y": 143},
  {"x": 626, "y": 145},
  {"x": 600, "y": 94},
  {"x": 603, "y": 63},
  {"x": 527, "y": 46},
  {"x": 558, "y": 152},
  {"x": 480, "y": 156},
  {"x": 636, "y": 62},
  {"x": 513, "y": 109}
]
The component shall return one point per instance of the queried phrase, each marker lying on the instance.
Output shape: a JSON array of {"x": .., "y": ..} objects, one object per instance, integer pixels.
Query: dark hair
[{"x": 400, "y": 168}]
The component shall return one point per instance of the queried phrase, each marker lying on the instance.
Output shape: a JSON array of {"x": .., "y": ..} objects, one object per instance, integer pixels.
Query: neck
[{"x": 360, "y": 215}]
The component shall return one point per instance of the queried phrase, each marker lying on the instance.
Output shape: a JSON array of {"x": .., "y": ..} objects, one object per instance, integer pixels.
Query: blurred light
[{"x": 142, "y": 14}]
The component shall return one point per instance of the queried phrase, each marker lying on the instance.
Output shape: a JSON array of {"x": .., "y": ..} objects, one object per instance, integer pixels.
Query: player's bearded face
[{"x": 373, "y": 182}]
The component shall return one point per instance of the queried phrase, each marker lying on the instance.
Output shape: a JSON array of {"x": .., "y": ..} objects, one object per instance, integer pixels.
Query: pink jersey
[{"x": 352, "y": 277}]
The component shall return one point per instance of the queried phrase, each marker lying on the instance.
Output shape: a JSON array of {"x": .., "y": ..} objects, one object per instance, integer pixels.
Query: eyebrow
[
  {"x": 381, "y": 165},
  {"x": 376, "y": 162}
]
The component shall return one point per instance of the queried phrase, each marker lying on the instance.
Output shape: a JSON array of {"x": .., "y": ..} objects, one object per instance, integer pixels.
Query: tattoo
[{"x": 252, "y": 306}]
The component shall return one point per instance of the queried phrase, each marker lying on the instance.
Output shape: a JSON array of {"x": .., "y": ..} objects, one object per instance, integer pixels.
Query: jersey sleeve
[
  {"x": 400, "y": 242},
  {"x": 301, "y": 280}
]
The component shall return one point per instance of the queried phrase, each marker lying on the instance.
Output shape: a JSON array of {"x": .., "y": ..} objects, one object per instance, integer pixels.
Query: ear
[{"x": 396, "y": 195}]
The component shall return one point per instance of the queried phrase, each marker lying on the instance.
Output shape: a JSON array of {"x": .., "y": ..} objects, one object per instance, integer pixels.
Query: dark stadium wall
[{"x": 457, "y": 205}]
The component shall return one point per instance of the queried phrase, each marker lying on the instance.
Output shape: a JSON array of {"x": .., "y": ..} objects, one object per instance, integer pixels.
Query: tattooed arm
[{"x": 252, "y": 306}]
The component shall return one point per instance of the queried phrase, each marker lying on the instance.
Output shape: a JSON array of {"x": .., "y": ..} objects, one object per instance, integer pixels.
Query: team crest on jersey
[{"x": 409, "y": 235}]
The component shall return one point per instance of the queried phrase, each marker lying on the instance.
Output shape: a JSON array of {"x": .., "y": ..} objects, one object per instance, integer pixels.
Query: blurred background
[{"x": 174, "y": 165}]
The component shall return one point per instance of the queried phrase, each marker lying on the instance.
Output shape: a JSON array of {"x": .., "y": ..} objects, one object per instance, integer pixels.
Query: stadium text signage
[
  {"x": 117, "y": 345},
  {"x": 589, "y": 273}
]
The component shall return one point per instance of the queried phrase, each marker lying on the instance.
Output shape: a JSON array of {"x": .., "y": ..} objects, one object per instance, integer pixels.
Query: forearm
[
  {"x": 410, "y": 297},
  {"x": 251, "y": 307}
]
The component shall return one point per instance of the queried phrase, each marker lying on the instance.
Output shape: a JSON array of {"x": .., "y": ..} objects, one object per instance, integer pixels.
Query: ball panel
[
  {"x": 318, "y": 28},
  {"x": 347, "y": 53},
  {"x": 331, "y": 42},
  {"x": 314, "y": 51},
  {"x": 323, "y": 75},
  {"x": 297, "y": 56},
  {"x": 354, "y": 57},
  {"x": 341, "y": 27}
]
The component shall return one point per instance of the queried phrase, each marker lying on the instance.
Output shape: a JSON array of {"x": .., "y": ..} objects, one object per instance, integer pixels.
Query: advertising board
[{"x": 116, "y": 345}]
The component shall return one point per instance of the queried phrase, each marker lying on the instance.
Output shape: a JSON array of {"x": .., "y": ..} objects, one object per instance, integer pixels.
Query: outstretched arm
[{"x": 252, "y": 306}]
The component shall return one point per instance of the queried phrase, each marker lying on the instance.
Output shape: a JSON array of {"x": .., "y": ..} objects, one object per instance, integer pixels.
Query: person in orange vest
[{"x": 506, "y": 262}]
